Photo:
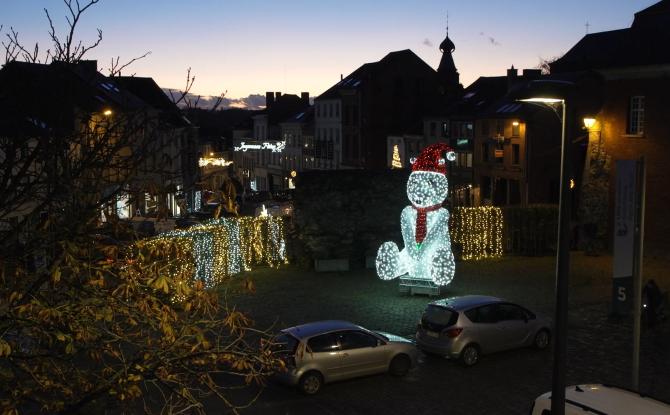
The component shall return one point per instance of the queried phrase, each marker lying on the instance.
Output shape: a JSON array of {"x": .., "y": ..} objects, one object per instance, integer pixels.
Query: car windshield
[
  {"x": 381, "y": 335},
  {"x": 439, "y": 316},
  {"x": 284, "y": 343}
]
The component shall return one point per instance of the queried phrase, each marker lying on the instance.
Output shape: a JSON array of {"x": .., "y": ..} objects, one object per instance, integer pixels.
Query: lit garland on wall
[
  {"x": 479, "y": 231},
  {"x": 223, "y": 247},
  {"x": 425, "y": 224}
]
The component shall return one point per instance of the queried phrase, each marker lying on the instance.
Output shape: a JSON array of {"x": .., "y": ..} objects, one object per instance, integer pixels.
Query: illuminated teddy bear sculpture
[{"x": 425, "y": 224}]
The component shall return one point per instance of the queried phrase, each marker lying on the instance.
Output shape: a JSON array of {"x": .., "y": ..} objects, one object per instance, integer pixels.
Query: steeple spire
[{"x": 447, "y": 69}]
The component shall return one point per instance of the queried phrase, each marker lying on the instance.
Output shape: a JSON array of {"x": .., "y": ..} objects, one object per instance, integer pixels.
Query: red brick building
[{"x": 633, "y": 120}]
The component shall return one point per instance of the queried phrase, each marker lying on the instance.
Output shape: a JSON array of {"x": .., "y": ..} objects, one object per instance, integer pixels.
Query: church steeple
[{"x": 447, "y": 69}]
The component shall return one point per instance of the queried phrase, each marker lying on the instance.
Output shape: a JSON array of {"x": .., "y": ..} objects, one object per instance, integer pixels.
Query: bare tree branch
[
  {"x": 183, "y": 94},
  {"x": 219, "y": 100},
  {"x": 115, "y": 69}
]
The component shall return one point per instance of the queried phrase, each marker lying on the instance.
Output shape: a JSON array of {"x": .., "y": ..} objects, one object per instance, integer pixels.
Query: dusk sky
[{"x": 252, "y": 46}]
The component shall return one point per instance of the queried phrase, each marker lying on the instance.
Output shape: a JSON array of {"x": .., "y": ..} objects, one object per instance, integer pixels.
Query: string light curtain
[
  {"x": 223, "y": 247},
  {"x": 478, "y": 230}
]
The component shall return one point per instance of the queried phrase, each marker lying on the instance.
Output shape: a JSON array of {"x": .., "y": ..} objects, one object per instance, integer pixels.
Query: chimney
[
  {"x": 511, "y": 77},
  {"x": 341, "y": 77},
  {"x": 532, "y": 73},
  {"x": 269, "y": 99},
  {"x": 304, "y": 97},
  {"x": 277, "y": 95},
  {"x": 88, "y": 65}
]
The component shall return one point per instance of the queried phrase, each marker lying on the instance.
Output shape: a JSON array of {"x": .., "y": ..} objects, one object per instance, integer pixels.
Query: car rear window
[
  {"x": 437, "y": 317},
  {"x": 284, "y": 343}
]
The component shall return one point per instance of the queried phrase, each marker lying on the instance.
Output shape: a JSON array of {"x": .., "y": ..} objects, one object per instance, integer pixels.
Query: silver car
[
  {"x": 466, "y": 327},
  {"x": 327, "y": 351}
]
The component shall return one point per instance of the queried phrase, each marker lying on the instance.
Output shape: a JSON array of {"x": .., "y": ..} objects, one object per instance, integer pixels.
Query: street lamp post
[{"x": 554, "y": 92}]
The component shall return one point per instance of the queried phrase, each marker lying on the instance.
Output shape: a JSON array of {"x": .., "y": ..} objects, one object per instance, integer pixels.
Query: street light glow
[
  {"x": 589, "y": 122},
  {"x": 544, "y": 100}
]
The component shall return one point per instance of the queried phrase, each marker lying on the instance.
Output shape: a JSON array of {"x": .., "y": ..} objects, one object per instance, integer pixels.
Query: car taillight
[{"x": 453, "y": 332}]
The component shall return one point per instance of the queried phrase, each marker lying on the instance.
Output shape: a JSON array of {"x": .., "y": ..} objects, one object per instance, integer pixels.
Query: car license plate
[{"x": 432, "y": 333}]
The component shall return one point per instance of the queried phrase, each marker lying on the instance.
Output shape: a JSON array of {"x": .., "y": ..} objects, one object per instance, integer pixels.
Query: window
[
  {"x": 516, "y": 127},
  {"x": 437, "y": 317},
  {"x": 356, "y": 340},
  {"x": 499, "y": 153},
  {"x": 500, "y": 127},
  {"x": 330, "y": 109},
  {"x": 432, "y": 129},
  {"x": 445, "y": 129},
  {"x": 516, "y": 155},
  {"x": 323, "y": 343},
  {"x": 484, "y": 314},
  {"x": 337, "y": 109},
  {"x": 511, "y": 312},
  {"x": 354, "y": 114},
  {"x": 636, "y": 115},
  {"x": 485, "y": 128},
  {"x": 285, "y": 343},
  {"x": 485, "y": 152}
]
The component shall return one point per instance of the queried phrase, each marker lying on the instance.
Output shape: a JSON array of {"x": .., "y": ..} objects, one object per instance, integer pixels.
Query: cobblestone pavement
[{"x": 599, "y": 350}]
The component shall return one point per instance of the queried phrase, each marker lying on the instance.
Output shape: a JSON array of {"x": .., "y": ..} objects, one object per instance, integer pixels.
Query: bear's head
[{"x": 427, "y": 184}]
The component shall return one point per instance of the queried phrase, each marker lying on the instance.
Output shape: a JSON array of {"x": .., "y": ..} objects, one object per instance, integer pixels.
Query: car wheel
[
  {"x": 310, "y": 383},
  {"x": 542, "y": 339},
  {"x": 400, "y": 365},
  {"x": 470, "y": 355}
]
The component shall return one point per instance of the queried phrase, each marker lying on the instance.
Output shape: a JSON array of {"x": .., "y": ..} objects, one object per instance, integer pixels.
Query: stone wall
[{"x": 346, "y": 213}]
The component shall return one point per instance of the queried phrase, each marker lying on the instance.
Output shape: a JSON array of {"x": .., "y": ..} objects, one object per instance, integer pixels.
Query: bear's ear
[
  {"x": 451, "y": 155},
  {"x": 412, "y": 160}
]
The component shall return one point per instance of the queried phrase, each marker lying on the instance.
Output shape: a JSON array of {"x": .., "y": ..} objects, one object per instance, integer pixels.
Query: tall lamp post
[{"x": 553, "y": 92}]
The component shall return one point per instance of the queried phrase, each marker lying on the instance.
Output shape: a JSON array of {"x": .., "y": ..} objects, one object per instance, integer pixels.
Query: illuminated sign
[
  {"x": 213, "y": 161},
  {"x": 275, "y": 147}
]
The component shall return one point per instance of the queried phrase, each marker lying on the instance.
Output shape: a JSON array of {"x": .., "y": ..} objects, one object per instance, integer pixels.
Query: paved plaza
[{"x": 599, "y": 349}]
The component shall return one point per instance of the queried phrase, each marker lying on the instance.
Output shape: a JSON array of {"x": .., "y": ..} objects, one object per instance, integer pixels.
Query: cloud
[
  {"x": 252, "y": 102},
  {"x": 491, "y": 39},
  {"x": 427, "y": 42}
]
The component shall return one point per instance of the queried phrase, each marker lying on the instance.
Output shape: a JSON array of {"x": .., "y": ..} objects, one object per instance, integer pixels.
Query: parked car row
[{"x": 460, "y": 328}]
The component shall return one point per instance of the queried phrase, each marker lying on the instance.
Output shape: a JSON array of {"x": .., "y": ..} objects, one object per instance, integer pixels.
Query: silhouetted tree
[{"x": 86, "y": 323}]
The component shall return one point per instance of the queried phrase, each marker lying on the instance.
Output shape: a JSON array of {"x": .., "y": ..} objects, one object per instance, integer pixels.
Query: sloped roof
[
  {"x": 368, "y": 71},
  {"x": 478, "y": 96},
  {"x": 644, "y": 43}
]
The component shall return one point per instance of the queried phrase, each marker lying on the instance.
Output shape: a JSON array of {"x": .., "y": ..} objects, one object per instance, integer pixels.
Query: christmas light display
[
  {"x": 396, "y": 163},
  {"x": 478, "y": 230},
  {"x": 213, "y": 161},
  {"x": 275, "y": 147},
  {"x": 224, "y": 247},
  {"x": 425, "y": 224}
]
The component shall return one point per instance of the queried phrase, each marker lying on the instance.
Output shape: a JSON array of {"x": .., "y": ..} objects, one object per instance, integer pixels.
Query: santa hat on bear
[{"x": 432, "y": 158}]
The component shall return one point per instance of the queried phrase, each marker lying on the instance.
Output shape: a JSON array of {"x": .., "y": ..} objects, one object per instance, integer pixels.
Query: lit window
[{"x": 636, "y": 115}]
